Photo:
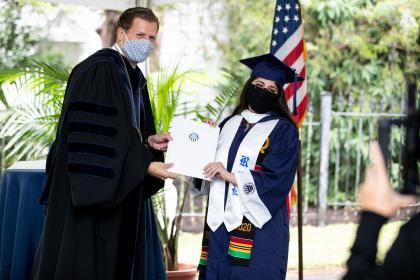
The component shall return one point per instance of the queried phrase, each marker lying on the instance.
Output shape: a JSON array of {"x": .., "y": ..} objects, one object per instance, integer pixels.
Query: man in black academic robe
[{"x": 102, "y": 168}]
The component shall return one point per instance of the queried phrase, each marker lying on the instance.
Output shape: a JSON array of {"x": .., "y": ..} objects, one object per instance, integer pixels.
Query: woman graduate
[{"x": 247, "y": 227}]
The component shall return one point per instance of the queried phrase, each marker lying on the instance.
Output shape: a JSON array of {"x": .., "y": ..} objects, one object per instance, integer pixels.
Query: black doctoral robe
[{"x": 97, "y": 185}]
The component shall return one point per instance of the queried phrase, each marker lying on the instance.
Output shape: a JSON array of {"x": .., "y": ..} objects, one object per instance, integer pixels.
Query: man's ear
[{"x": 120, "y": 35}]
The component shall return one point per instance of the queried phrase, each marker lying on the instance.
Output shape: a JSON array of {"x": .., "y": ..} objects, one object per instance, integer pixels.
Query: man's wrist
[
  {"x": 151, "y": 168},
  {"x": 148, "y": 144}
]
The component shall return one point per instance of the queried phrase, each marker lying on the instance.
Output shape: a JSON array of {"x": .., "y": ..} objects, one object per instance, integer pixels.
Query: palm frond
[
  {"x": 222, "y": 102},
  {"x": 38, "y": 78},
  {"x": 33, "y": 95},
  {"x": 3, "y": 100},
  {"x": 165, "y": 87}
]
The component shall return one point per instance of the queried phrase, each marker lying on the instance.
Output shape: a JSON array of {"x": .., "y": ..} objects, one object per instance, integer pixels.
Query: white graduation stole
[{"x": 245, "y": 161}]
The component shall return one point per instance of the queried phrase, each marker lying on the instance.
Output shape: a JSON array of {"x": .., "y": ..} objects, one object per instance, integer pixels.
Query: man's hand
[
  {"x": 159, "y": 142},
  {"x": 160, "y": 170},
  {"x": 376, "y": 194},
  {"x": 217, "y": 169}
]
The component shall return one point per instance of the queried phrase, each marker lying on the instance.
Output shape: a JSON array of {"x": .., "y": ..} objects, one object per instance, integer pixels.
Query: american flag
[{"x": 287, "y": 44}]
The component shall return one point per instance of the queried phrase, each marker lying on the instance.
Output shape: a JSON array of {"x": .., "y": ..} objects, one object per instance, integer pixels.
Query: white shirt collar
[{"x": 251, "y": 117}]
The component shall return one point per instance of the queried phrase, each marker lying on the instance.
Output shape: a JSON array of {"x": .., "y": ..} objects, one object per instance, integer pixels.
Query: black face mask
[{"x": 261, "y": 100}]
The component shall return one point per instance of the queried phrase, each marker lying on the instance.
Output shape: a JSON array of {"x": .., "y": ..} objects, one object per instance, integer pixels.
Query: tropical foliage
[
  {"x": 165, "y": 88},
  {"x": 29, "y": 117},
  {"x": 22, "y": 42},
  {"x": 220, "y": 107}
]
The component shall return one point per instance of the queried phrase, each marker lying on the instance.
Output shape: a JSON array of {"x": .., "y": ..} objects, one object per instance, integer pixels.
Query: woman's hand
[
  {"x": 159, "y": 142},
  {"x": 217, "y": 169},
  {"x": 211, "y": 123}
]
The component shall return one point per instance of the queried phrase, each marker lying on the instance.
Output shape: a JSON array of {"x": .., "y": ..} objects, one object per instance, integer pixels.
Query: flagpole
[
  {"x": 286, "y": 35},
  {"x": 300, "y": 196},
  {"x": 299, "y": 206}
]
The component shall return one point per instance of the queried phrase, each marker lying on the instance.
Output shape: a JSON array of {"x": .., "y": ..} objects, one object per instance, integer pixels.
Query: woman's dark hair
[
  {"x": 281, "y": 108},
  {"x": 126, "y": 18}
]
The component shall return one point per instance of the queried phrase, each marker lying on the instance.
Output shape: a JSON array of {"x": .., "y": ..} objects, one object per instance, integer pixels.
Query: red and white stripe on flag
[{"x": 288, "y": 45}]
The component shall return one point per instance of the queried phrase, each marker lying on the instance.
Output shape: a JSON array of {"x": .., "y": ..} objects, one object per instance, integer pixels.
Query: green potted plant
[
  {"x": 164, "y": 91},
  {"x": 165, "y": 87}
]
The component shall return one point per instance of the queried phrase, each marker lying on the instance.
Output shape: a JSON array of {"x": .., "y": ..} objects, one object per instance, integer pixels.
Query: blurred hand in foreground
[{"x": 376, "y": 194}]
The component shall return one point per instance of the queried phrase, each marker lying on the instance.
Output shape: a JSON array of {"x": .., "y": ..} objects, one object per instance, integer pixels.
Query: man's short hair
[{"x": 126, "y": 18}]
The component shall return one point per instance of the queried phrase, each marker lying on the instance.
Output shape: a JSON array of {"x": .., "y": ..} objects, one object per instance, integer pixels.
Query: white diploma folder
[{"x": 194, "y": 146}]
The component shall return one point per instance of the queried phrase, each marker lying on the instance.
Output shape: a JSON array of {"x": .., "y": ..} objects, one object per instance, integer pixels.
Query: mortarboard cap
[{"x": 269, "y": 67}]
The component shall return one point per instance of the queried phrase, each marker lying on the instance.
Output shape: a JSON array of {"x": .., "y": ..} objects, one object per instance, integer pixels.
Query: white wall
[
  {"x": 184, "y": 39},
  {"x": 67, "y": 29}
]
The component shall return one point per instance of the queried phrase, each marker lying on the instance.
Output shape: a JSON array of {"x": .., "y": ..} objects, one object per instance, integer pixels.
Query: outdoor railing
[{"x": 335, "y": 144}]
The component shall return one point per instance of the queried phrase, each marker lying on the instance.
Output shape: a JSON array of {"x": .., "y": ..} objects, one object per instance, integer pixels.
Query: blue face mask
[{"x": 137, "y": 50}]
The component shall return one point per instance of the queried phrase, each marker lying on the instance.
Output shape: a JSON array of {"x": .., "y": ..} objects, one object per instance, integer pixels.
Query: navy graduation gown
[
  {"x": 97, "y": 187},
  {"x": 270, "y": 250}
]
